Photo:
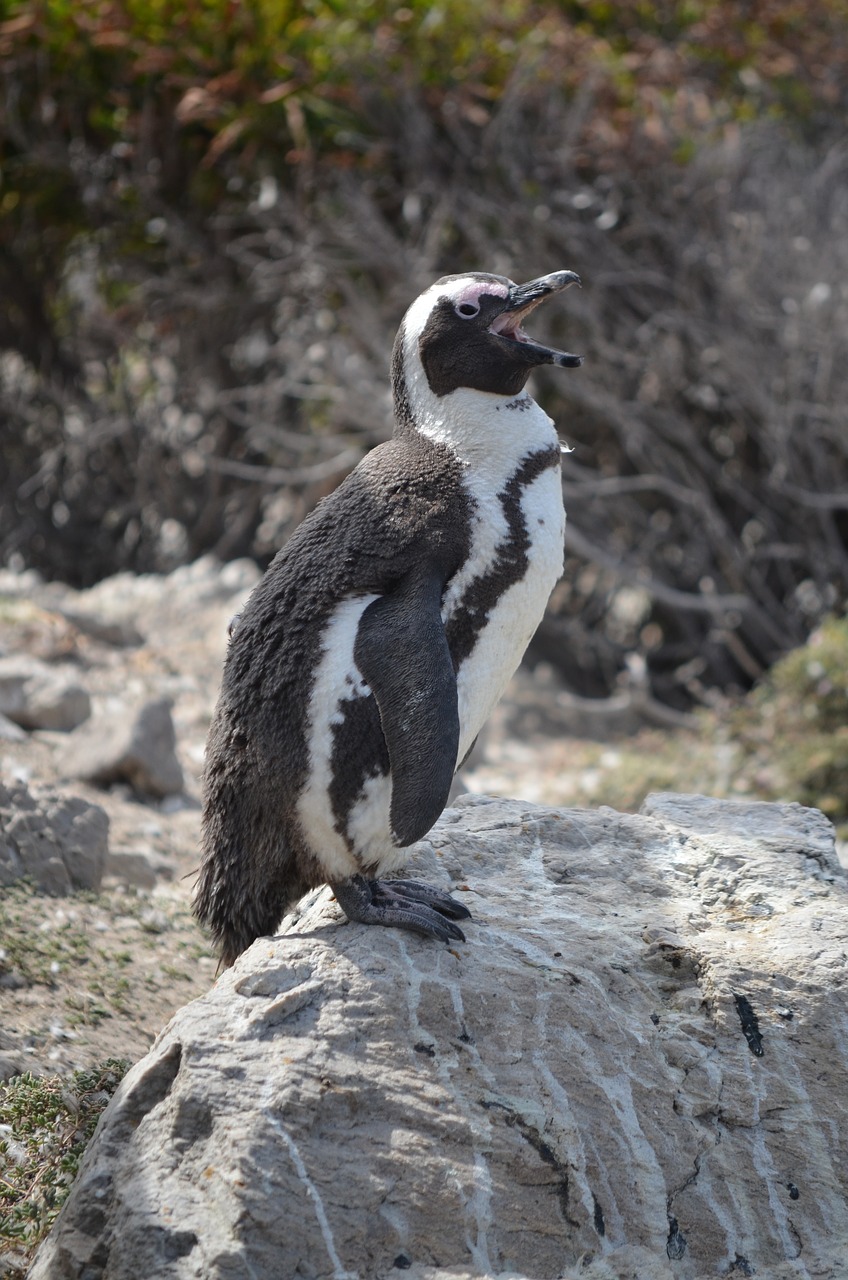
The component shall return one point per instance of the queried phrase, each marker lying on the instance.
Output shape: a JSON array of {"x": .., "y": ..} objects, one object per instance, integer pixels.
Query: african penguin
[{"x": 381, "y": 636}]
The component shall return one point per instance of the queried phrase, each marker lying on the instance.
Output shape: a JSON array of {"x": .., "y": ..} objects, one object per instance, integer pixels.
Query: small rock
[
  {"x": 154, "y": 921},
  {"x": 208, "y": 579},
  {"x": 9, "y": 731},
  {"x": 37, "y": 696},
  {"x": 13, "y": 1263},
  {"x": 131, "y": 868},
  {"x": 12, "y": 980},
  {"x": 139, "y": 747},
  {"x": 238, "y": 575},
  {"x": 115, "y": 631},
  {"x": 11, "y": 865},
  {"x": 177, "y": 804},
  {"x": 137, "y": 869},
  {"x": 59, "y": 842},
  {"x": 11, "y": 1065}
]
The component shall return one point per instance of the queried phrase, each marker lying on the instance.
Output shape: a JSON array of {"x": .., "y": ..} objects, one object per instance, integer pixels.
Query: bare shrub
[{"x": 244, "y": 376}]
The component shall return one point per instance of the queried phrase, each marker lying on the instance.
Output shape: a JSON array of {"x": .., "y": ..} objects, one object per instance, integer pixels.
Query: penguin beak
[{"x": 520, "y": 301}]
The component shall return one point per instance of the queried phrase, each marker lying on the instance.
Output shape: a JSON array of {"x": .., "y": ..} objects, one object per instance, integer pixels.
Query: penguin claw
[
  {"x": 406, "y": 904},
  {"x": 415, "y": 891}
]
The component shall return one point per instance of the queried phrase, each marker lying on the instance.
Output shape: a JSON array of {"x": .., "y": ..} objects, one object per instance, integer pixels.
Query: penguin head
[{"x": 465, "y": 332}]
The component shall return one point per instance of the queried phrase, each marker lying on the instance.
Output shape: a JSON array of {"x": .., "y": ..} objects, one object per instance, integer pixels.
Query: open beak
[{"x": 520, "y": 301}]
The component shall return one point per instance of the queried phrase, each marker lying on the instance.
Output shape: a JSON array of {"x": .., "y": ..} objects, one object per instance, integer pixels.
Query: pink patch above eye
[{"x": 475, "y": 290}]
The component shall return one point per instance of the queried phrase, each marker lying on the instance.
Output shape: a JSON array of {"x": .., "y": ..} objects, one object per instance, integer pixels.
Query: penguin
[{"x": 371, "y": 653}]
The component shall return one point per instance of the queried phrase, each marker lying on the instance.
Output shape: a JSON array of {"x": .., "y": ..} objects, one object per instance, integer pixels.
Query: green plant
[
  {"x": 38, "y": 956},
  {"x": 45, "y": 1126}
]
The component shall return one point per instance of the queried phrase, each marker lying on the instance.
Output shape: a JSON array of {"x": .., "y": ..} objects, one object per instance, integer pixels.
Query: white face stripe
[
  {"x": 489, "y": 433},
  {"x": 463, "y": 289},
  {"x": 472, "y": 291}
]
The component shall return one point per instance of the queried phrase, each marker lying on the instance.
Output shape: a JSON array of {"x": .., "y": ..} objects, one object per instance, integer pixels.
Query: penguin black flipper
[{"x": 402, "y": 651}]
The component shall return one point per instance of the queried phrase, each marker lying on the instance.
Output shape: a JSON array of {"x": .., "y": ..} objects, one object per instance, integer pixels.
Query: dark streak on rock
[
  {"x": 799, "y": 1244},
  {"x": 549, "y": 1156},
  {"x": 600, "y": 1225},
  {"x": 676, "y": 1243},
  {"x": 750, "y": 1025},
  {"x": 545, "y": 1152}
]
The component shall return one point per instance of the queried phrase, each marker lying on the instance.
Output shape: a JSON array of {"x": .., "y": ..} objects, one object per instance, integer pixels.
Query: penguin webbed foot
[{"x": 406, "y": 904}]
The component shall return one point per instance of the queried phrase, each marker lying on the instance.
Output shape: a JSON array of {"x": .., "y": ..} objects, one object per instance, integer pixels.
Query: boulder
[
  {"x": 138, "y": 868},
  {"x": 119, "y": 632},
  {"x": 37, "y": 696},
  {"x": 59, "y": 842},
  {"x": 12, "y": 1063},
  {"x": 133, "y": 745},
  {"x": 9, "y": 731},
  {"x": 634, "y": 1067}
]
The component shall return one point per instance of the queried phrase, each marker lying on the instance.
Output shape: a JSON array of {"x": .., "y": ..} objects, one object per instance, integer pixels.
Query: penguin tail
[
  {"x": 236, "y": 912},
  {"x": 248, "y": 876}
]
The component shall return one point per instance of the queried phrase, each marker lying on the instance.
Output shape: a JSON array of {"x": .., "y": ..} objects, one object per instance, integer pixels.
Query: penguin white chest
[
  {"x": 517, "y": 555},
  {"x": 490, "y": 609}
]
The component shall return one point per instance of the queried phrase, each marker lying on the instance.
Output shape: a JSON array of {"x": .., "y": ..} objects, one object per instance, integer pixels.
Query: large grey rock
[
  {"x": 133, "y": 745},
  {"x": 37, "y": 696},
  {"x": 59, "y": 842},
  {"x": 635, "y": 1067}
]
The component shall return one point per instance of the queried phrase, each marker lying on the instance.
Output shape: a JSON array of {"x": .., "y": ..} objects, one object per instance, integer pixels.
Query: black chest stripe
[
  {"x": 510, "y": 565},
  {"x": 359, "y": 752}
]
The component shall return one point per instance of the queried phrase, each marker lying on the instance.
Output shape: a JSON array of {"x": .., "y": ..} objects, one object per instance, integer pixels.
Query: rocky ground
[{"x": 96, "y": 973}]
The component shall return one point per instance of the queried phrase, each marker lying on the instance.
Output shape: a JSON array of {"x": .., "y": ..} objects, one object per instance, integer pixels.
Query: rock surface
[
  {"x": 138, "y": 746},
  {"x": 58, "y": 842},
  {"x": 9, "y": 731},
  {"x": 635, "y": 1067},
  {"x": 12, "y": 1063},
  {"x": 37, "y": 696}
]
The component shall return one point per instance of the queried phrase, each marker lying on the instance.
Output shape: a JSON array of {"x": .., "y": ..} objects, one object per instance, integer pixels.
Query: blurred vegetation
[
  {"x": 794, "y": 727},
  {"x": 213, "y": 214},
  {"x": 786, "y": 740}
]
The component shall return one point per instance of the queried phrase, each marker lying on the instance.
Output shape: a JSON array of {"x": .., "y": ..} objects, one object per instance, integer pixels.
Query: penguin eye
[{"x": 467, "y": 310}]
